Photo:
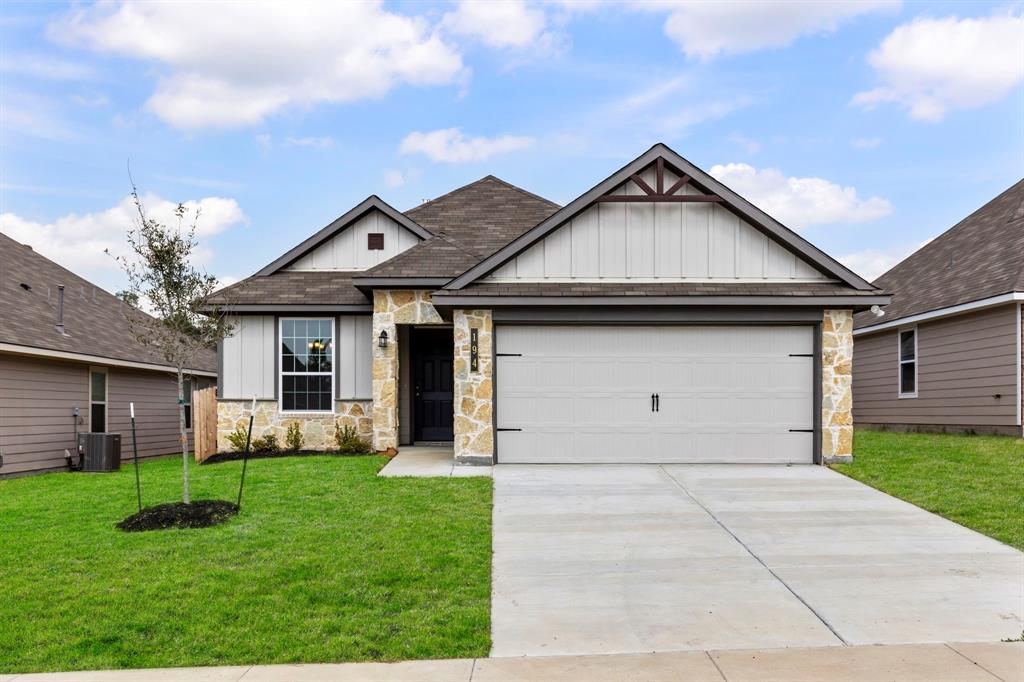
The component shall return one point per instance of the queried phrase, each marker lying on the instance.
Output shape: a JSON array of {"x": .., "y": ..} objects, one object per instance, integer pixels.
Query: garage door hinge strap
[
  {"x": 801, "y": 355},
  {"x": 801, "y": 430},
  {"x": 508, "y": 429},
  {"x": 508, "y": 355}
]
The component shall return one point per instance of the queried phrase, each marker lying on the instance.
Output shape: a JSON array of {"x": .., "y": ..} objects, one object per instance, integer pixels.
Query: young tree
[{"x": 161, "y": 276}]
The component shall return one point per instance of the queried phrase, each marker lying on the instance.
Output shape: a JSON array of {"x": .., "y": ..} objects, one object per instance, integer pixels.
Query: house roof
[
  {"x": 459, "y": 228},
  {"x": 474, "y": 229},
  {"x": 681, "y": 166},
  {"x": 94, "y": 320},
  {"x": 435, "y": 257},
  {"x": 979, "y": 257},
  {"x": 483, "y": 216},
  {"x": 291, "y": 288}
]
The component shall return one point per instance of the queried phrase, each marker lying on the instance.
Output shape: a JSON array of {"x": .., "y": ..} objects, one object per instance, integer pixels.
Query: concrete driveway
[{"x": 595, "y": 559}]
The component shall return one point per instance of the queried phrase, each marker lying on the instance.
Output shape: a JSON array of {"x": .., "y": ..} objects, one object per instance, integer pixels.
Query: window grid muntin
[{"x": 306, "y": 354}]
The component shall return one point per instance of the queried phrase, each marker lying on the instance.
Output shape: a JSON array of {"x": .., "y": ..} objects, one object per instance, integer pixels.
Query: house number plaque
[{"x": 474, "y": 351}]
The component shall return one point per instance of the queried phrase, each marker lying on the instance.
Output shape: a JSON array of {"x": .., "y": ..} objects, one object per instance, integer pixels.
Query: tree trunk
[{"x": 186, "y": 488}]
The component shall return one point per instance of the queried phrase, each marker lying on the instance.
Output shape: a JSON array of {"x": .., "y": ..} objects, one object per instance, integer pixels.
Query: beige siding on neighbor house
[
  {"x": 655, "y": 242},
  {"x": 964, "y": 361},
  {"x": 36, "y": 401}
]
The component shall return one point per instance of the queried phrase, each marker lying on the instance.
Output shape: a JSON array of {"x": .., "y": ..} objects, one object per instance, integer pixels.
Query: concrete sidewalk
[{"x": 981, "y": 662}]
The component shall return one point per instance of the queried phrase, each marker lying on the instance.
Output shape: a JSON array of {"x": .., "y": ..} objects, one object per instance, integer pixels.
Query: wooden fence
[{"x": 204, "y": 422}]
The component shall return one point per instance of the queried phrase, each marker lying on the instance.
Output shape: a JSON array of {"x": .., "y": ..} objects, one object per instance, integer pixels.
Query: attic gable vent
[{"x": 375, "y": 241}]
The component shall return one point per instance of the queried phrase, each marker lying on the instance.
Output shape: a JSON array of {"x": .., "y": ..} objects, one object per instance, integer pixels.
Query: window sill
[{"x": 905, "y": 396}]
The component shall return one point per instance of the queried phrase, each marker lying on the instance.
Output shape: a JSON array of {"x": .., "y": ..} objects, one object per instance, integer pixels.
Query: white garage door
[{"x": 654, "y": 394}]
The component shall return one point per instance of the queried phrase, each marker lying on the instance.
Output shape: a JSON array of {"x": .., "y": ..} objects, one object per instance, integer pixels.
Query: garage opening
[{"x": 654, "y": 394}]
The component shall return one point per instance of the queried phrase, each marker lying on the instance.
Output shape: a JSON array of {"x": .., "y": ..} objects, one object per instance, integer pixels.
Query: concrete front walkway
[
  {"x": 991, "y": 662},
  {"x": 429, "y": 461},
  {"x": 621, "y": 559}
]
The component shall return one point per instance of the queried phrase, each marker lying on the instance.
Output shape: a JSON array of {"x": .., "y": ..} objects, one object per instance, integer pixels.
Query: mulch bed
[
  {"x": 237, "y": 456},
  {"x": 197, "y": 514}
]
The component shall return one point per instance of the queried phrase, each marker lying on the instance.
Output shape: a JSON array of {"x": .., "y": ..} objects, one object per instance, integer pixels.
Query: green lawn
[
  {"x": 977, "y": 481},
  {"x": 326, "y": 562}
]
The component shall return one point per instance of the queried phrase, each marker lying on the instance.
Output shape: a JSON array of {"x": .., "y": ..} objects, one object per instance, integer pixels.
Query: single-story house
[
  {"x": 658, "y": 317},
  {"x": 69, "y": 363},
  {"x": 947, "y": 354}
]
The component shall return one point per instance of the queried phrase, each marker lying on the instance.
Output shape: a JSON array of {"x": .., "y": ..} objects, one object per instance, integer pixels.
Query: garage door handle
[
  {"x": 657, "y": 403},
  {"x": 652, "y": 402}
]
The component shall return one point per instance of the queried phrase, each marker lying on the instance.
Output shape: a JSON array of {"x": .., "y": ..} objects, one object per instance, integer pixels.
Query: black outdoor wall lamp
[{"x": 382, "y": 340}]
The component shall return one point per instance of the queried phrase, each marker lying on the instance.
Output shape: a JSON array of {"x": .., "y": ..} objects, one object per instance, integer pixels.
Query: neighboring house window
[
  {"x": 908, "y": 363},
  {"x": 307, "y": 365},
  {"x": 97, "y": 399},
  {"x": 186, "y": 394}
]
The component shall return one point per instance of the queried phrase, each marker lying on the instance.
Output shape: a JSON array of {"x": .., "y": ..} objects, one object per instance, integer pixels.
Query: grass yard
[
  {"x": 325, "y": 562},
  {"x": 977, "y": 481}
]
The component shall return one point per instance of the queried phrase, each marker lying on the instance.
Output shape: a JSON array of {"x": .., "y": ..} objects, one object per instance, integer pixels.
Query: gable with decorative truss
[{"x": 657, "y": 226}]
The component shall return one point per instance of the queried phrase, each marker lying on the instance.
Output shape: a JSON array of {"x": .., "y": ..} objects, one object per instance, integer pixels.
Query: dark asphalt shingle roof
[
  {"x": 470, "y": 223},
  {"x": 94, "y": 320},
  {"x": 979, "y": 257},
  {"x": 483, "y": 216},
  {"x": 289, "y": 287},
  {"x": 434, "y": 257},
  {"x": 655, "y": 289}
]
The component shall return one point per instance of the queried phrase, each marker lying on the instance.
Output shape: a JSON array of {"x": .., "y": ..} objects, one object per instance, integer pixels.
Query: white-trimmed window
[
  {"x": 307, "y": 364},
  {"x": 98, "y": 399},
  {"x": 186, "y": 395},
  {"x": 907, "y": 356}
]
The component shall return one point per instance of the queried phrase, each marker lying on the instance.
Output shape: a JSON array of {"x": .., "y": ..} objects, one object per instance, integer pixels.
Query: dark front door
[{"x": 432, "y": 351}]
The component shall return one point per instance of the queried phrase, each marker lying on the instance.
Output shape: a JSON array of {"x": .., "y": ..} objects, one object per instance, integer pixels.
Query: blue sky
[{"x": 869, "y": 127}]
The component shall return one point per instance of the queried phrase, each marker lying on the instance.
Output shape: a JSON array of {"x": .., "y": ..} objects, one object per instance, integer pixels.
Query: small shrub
[
  {"x": 294, "y": 437},
  {"x": 267, "y": 443},
  {"x": 349, "y": 442},
  {"x": 237, "y": 439}
]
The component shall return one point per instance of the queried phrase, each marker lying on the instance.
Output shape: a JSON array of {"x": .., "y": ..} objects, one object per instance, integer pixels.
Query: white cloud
[
  {"x": 498, "y": 23},
  {"x": 872, "y": 263},
  {"x": 314, "y": 142},
  {"x": 931, "y": 66},
  {"x": 229, "y": 64},
  {"x": 652, "y": 95},
  {"x": 799, "y": 202},
  {"x": 79, "y": 241},
  {"x": 450, "y": 145},
  {"x": 708, "y": 29},
  {"x": 394, "y": 178},
  {"x": 866, "y": 142}
]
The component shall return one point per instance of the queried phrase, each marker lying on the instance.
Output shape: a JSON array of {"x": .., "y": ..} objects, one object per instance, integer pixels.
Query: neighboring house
[
  {"x": 946, "y": 356},
  {"x": 659, "y": 317},
  {"x": 64, "y": 374}
]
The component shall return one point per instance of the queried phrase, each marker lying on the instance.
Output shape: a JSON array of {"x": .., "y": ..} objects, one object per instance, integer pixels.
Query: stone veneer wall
[
  {"x": 474, "y": 428},
  {"x": 392, "y": 307},
  {"x": 317, "y": 429},
  {"x": 837, "y": 386}
]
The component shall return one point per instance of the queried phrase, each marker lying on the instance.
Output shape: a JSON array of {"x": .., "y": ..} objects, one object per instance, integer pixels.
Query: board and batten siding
[
  {"x": 655, "y": 242},
  {"x": 249, "y": 357},
  {"x": 347, "y": 250},
  {"x": 964, "y": 362},
  {"x": 38, "y": 396}
]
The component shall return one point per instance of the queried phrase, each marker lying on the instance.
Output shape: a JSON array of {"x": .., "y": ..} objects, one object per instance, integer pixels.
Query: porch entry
[{"x": 432, "y": 384}]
